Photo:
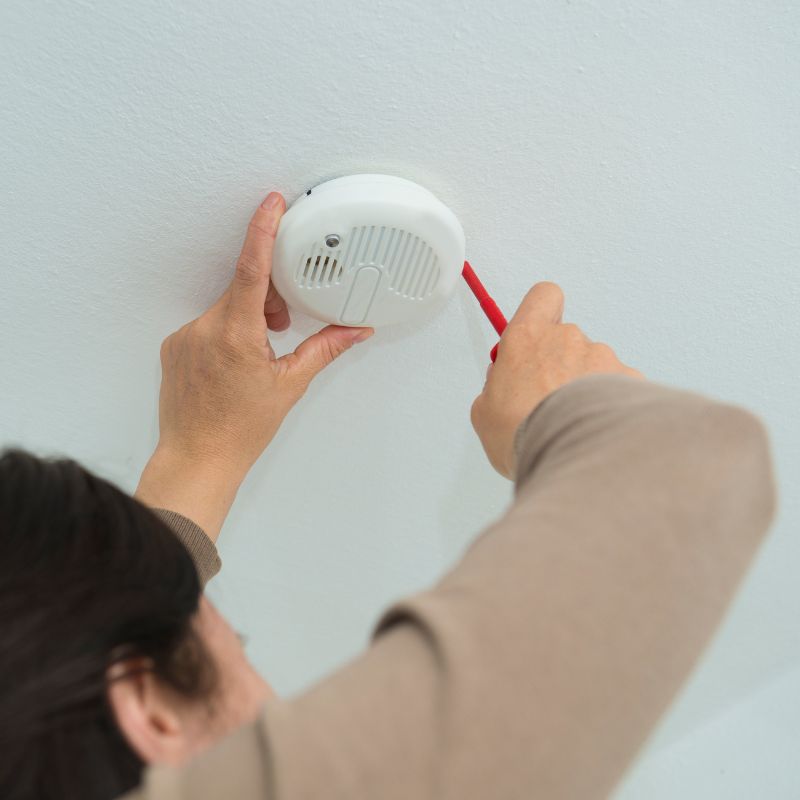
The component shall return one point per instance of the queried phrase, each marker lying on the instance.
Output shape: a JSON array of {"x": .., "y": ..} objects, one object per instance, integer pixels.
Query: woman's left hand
[{"x": 224, "y": 393}]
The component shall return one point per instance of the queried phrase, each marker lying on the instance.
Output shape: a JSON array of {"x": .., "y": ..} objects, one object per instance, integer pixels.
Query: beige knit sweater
[{"x": 537, "y": 667}]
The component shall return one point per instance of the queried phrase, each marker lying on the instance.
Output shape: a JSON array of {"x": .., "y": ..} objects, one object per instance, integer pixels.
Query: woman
[{"x": 537, "y": 667}]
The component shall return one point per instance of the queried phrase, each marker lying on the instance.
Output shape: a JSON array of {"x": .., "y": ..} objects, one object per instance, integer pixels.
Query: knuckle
[
  {"x": 516, "y": 336},
  {"x": 329, "y": 350},
  {"x": 248, "y": 270},
  {"x": 261, "y": 227},
  {"x": 604, "y": 355},
  {"x": 171, "y": 344},
  {"x": 475, "y": 411},
  {"x": 195, "y": 334},
  {"x": 604, "y": 351},
  {"x": 573, "y": 333}
]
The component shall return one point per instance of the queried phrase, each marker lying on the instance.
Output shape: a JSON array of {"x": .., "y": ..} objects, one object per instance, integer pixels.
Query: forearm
[
  {"x": 542, "y": 661},
  {"x": 569, "y": 626},
  {"x": 201, "y": 491}
]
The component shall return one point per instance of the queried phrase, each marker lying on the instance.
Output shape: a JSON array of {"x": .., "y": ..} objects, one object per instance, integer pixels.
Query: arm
[
  {"x": 224, "y": 394},
  {"x": 540, "y": 663},
  {"x": 194, "y": 490}
]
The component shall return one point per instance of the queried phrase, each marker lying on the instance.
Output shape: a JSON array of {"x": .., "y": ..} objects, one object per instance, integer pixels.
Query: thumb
[{"x": 315, "y": 353}]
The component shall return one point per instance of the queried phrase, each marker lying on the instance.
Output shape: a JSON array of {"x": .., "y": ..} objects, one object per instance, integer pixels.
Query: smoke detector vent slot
[
  {"x": 319, "y": 270},
  {"x": 418, "y": 272}
]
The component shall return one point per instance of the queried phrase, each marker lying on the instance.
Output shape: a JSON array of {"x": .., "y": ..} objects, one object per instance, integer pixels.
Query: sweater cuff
[
  {"x": 201, "y": 548},
  {"x": 567, "y": 404}
]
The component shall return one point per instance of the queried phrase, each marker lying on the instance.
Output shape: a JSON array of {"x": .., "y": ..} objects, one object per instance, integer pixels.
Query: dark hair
[{"x": 88, "y": 576}]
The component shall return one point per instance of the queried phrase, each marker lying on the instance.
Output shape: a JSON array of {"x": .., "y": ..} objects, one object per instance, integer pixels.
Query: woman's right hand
[{"x": 538, "y": 353}]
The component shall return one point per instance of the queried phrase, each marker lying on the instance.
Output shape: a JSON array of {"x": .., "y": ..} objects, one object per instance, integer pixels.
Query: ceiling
[{"x": 645, "y": 158}]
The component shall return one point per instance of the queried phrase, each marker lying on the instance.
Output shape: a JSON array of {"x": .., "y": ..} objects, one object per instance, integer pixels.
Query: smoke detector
[{"x": 367, "y": 250}]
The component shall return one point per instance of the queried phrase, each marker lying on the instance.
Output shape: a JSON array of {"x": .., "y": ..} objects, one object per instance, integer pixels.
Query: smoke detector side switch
[{"x": 367, "y": 250}]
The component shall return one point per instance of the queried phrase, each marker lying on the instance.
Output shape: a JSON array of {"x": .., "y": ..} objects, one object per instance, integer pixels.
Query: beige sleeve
[
  {"x": 200, "y": 547},
  {"x": 540, "y": 663}
]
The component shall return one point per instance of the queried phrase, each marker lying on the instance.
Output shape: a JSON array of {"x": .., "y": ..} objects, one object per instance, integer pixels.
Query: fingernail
[
  {"x": 273, "y": 200},
  {"x": 362, "y": 335}
]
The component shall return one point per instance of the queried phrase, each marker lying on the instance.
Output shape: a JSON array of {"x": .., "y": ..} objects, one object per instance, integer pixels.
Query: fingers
[
  {"x": 319, "y": 350},
  {"x": 275, "y": 310},
  {"x": 250, "y": 283},
  {"x": 543, "y": 304}
]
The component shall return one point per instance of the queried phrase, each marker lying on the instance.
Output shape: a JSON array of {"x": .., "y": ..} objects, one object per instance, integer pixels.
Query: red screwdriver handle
[{"x": 490, "y": 308}]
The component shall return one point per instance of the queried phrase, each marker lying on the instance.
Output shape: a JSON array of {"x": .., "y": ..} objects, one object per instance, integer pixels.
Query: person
[{"x": 535, "y": 668}]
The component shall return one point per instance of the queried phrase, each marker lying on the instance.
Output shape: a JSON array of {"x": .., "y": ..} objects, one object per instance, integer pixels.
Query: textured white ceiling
[{"x": 646, "y": 158}]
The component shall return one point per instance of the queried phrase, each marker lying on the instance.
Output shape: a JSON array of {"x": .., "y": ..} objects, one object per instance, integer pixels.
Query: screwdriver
[{"x": 490, "y": 308}]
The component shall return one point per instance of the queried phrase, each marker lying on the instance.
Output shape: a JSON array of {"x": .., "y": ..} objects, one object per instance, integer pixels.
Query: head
[{"x": 111, "y": 658}]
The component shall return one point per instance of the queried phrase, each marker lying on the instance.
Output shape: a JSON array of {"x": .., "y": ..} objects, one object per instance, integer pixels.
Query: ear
[{"x": 144, "y": 713}]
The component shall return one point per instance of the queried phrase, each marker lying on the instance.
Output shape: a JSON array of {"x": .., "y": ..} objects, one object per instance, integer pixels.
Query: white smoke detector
[{"x": 367, "y": 250}]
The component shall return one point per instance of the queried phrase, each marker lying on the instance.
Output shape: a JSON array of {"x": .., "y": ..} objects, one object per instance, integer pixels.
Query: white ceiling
[{"x": 647, "y": 159}]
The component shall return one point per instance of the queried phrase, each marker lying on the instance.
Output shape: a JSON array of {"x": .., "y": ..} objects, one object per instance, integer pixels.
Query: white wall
[{"x": 645, "y": 156}]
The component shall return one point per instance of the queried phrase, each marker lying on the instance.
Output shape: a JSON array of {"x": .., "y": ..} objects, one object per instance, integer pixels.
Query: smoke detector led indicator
[{"x": 367, "y": 250}]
